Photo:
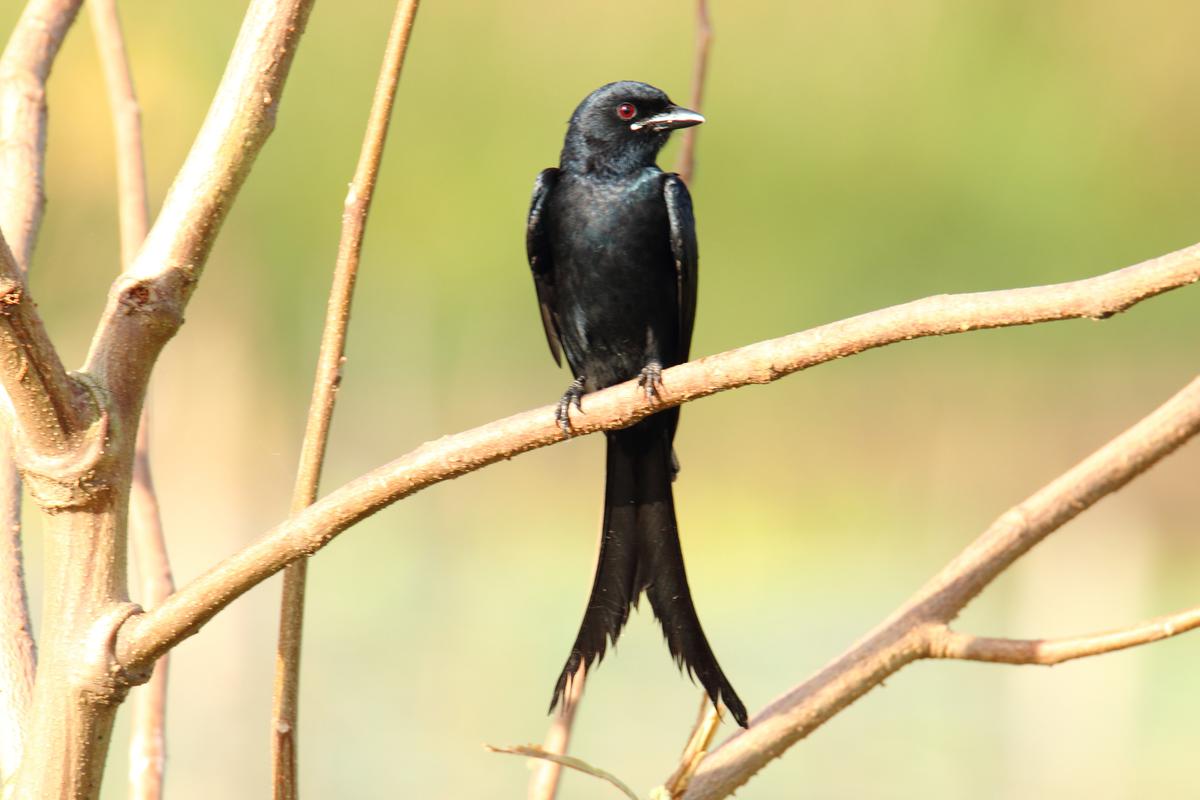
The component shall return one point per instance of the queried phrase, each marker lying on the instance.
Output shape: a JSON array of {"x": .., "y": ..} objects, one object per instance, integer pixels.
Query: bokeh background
[{"x": 857, "y": 155}]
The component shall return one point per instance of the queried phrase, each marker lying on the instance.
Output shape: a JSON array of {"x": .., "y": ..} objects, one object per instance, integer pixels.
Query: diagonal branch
[
  {"x": 145, "y": 305},
  {"x": 946, "y": 643},
  {"x": 324, "y": 394},
  {"x": 909, "y": 634},
  {"x": 48, "y": 407},
  {"x": 144, "y": 637}
]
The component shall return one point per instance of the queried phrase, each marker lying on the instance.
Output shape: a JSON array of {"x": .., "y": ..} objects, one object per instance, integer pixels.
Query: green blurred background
[{"x": 857, "y": 155}]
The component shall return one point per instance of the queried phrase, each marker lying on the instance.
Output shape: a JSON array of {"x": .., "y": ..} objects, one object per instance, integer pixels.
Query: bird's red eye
[{"x": 627, "y": 111}]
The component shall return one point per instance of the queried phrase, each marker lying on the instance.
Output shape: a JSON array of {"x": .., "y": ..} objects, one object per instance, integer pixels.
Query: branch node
[
  {"x": 70, "y": 479},
  {"x": 98, "y": 675}
]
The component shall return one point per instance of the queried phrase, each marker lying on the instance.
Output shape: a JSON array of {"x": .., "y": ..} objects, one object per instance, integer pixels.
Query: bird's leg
[
  {"x": 650, "y": 379},
  {"x": 562, "y": 413}
]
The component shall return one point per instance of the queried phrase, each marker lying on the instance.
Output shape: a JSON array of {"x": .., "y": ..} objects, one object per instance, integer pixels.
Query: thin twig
[
  {"x": 686, "y": 166},
  {"x": 906, "y": 635},
  {"x": 143, "y": 637},
  {"x": 324, "y": 395},
  {"x": 532, "y": 751},
  {"x": 147, "y": 743},
  {"x": 544, "y": 783},
  {"x": 947, "y": 643},
  {"x": 18, "y": 654},
  {"x": 708, "y": 720}
]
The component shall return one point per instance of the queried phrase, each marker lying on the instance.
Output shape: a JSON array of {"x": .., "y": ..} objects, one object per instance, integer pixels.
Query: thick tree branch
[
  {"x": 48, "y": 407},
  {"x": 146, "y": 304},
  {"x": 324, "y": 394},
  {"x": 24, "y": 68},
  {"x": 906, "y": 635},
  {"x": 946, "y": 643},
  {"x": 147, "y": 745},
  {"x": 146, "y": 636}
]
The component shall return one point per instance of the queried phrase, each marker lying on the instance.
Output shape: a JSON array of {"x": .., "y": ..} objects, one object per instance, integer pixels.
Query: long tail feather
[{"x": 640, "y": 550}]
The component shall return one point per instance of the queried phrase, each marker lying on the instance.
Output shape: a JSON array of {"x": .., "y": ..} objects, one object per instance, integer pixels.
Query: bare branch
[
  {"x": 905, "y": 636},
  {"x": 132, "y": 203},
  {"x": 49, "y": 408},
  {"x": 707, "y": 722},
  {"x": 18, "y": 655},
  {"x": 946, "y": 643},
  {"x": 324, "y": 394},
  {"x": 147, "y": 745},
  {"x": 145, "y": 305},
  {"x": 24, "y": 68},
  {"x": 144, "y": 637},
  {"x": 544, "y": 783},
  {"x": 686, "y": 166},
  {"x": 532, "y": 751}
]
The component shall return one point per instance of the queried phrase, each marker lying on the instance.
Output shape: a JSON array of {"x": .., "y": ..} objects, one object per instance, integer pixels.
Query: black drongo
[{"x": 612, "y": 245}]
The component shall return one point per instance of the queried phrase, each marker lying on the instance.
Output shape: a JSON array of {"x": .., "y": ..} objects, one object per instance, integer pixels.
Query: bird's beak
[{"x": 670, "y": 119}]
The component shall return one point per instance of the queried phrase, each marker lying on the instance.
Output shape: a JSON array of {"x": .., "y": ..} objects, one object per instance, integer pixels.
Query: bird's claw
[
  {"x": 650, "y": 379},
  {"x": 573, "y": 395}
]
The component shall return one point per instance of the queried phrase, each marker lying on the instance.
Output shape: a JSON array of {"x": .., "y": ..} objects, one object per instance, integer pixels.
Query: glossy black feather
[{"x": 612, "y": 246}]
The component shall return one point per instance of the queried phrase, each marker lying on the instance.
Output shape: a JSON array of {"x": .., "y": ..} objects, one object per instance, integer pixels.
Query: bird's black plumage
[{"x": 612, "y": 244}]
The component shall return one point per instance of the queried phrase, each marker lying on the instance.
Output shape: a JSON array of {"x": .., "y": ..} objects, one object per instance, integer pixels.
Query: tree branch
[
  {"x": 686, "y": 166},
  {"x": 143, "y": 637},
  {"x": 324, "y": 395},
  {"x": 543, "y": 785},
  {"x": 49, "y": 408},
  {"x": 147, "y": 745},
  {"x": 145, "y": 305},
  {"x": 906, "y": 635},
  {"x": 24, "y": 68},
  {"x": 18, "y": 655},
  {"x": 946, "y": 643}
]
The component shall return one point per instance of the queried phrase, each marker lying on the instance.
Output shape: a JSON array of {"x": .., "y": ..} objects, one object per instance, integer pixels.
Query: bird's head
[{"x": 620, "y": 127}]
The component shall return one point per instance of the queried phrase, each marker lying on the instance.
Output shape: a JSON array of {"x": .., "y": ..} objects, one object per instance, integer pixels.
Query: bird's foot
[
  {"x": 650, "y": 380},
  {"x": 562, "y": 413}
]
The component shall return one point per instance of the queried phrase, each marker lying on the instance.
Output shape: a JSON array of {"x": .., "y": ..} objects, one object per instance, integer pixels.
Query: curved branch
[
  {"x": 946, "y": 643},
  {"x": 145, "y": 305},
  {"x": 24, "y": 68},
  {"x": 146, "y": 636},
  {"x": 905, "y": 636}
]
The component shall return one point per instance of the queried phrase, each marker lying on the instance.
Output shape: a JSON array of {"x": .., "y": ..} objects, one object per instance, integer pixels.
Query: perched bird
[{"x": 612, "y": 244}]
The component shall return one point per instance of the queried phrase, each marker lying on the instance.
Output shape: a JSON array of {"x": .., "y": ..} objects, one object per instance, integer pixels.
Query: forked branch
[
  {"x": 143, "y": 637},
  {"x": 918, "y": 629},
  {"x": 947, "y": 643}
]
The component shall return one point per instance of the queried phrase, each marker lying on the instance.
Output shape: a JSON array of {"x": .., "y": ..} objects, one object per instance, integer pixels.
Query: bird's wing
[
  {"x": 683, "y": 248},
  {"x": 537, "y": 246}
]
